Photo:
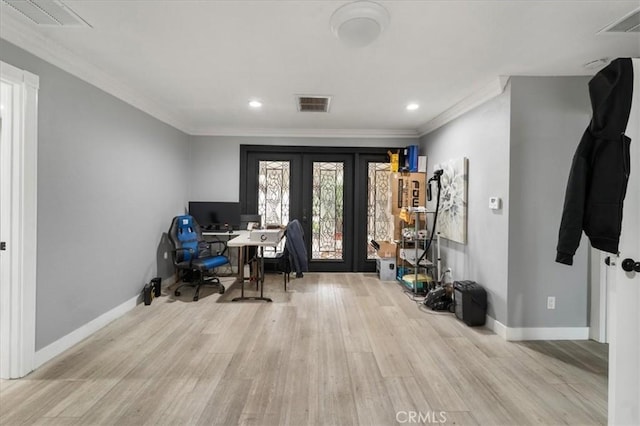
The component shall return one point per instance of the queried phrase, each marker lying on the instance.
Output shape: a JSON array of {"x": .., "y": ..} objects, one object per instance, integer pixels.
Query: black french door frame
[{"x": 355, "y": 220}]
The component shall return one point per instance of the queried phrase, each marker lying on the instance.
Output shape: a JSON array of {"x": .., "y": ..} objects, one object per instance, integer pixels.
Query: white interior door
[
  {"x": 18, "y": 221},
  {"x": 624, "y": 287},
  {"x": 5, "y": 224}
]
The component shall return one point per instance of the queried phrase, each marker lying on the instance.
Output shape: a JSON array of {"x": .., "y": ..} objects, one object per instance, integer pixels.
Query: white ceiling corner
[
  {"x": 195, "y": 64},
  {"x": 24, "y": 36},
  {"x": 302, "y": 133},
  {"x": 488, "y": 92}
]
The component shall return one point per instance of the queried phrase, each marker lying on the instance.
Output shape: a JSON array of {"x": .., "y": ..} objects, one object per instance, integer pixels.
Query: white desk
[
  {"x": 242, "y": 241},
  {"x": 222, "y": 233}
]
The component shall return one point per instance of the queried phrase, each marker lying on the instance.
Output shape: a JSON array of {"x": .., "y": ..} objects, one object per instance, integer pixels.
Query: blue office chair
[{"x": 192, "y": 256}]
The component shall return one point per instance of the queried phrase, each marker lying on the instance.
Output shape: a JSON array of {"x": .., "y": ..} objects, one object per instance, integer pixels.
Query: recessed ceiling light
[
  {"x": 255, "y": 104},
  {"x": 412, "y": 106}
]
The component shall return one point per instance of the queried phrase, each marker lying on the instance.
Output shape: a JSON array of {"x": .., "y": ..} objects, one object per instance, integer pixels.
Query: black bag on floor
[
  {"x": 470, "y": 302},
  {"x": 438, "y": 300}
]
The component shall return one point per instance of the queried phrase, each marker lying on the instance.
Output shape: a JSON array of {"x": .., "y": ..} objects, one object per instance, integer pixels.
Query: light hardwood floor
[{"x": 336, "y": 349}]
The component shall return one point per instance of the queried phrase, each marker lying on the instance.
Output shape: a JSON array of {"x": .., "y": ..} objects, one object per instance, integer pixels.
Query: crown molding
[
  {"x": 488, "y": 92},
  {"x": 312, "y": 133},
  {"x": 25, "y": 37}
]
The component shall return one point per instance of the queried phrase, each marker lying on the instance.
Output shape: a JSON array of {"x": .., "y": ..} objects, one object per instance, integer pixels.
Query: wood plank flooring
[{"x": 336, "y": 349}]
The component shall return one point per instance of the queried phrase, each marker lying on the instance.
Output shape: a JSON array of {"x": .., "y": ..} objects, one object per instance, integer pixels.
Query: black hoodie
[{"x": 600, "y": 168}]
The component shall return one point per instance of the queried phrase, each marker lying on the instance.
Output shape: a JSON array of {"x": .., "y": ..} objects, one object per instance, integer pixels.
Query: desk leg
[
  {"x": 259, "y": 278},
  {"x": 240, "y": 273}
]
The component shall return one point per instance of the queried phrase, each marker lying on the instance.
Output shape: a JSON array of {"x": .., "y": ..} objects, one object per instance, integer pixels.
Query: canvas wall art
[{"x": 452, "y": 216}]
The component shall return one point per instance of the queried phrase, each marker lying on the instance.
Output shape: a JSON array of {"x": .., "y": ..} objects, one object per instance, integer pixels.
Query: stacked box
[{"x": 386, "y": 269}]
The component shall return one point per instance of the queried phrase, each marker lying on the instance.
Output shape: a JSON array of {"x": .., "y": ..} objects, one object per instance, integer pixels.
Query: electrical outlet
[
  {"x": 495, "y": 203},
  {"x": 551, "y": 302}
]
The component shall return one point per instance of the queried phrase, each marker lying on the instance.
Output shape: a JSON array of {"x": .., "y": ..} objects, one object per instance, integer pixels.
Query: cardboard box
[
  {"x": 408, "y": 190},
  {"x": 387, "y": 250}
]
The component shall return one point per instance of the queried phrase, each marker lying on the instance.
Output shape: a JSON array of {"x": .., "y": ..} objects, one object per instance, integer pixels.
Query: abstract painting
[{"x": 452, "y": 215}]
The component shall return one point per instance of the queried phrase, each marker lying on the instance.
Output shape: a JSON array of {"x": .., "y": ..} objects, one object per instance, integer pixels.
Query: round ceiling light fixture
[
  {"x": 359, "y": 23},
  {"x": 412, "y": 106},
  {"x": 255, "y": 103}
]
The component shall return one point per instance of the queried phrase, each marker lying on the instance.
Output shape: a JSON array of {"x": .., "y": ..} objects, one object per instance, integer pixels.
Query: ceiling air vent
[
  {"x": 49, "y": 13},
  {"x": 313, "y": 103},
  {"x": 628, "y": 24}
]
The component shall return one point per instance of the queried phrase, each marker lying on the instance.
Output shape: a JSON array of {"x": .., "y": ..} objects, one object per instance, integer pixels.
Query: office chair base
[
  {"x": 209, "y": 281},
  {"x": 266, "y": 299}
]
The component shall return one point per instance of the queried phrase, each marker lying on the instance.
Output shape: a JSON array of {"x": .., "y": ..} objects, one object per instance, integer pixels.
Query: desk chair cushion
[{"x": 204, "y": 263}]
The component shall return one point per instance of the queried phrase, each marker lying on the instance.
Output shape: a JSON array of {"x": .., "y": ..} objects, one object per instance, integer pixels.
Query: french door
[{"x": 328, "y": 191}]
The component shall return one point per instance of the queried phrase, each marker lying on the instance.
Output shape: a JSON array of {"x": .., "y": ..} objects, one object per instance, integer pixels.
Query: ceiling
[{"x": 196, "y": 64}]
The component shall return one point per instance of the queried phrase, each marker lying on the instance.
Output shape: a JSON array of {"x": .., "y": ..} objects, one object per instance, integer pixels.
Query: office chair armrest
[{"x": 174, "y": 252}]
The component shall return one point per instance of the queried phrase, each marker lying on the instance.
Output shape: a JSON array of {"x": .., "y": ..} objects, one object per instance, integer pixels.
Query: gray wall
[
  {"x": 110, "y": 178},
  {"x": 548, "y": 117},
  {"x": 482, "y": 135},
  {"x": 215, "y": 172},
  {"x": 520, "y": 147}
]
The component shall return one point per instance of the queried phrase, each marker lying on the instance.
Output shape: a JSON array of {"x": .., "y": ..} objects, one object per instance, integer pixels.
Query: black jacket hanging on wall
[{"x": 600, "y": 168}]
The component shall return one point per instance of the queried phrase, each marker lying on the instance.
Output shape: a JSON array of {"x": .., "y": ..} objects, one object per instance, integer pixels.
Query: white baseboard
[
  {"x": 497, "y": 327},
  {"x": 537, "y": 333},
  {"x": 56, "y": 348}
]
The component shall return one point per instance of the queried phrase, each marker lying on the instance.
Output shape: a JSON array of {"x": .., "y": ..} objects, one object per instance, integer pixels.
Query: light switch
[{"x": 495, "y": 203}]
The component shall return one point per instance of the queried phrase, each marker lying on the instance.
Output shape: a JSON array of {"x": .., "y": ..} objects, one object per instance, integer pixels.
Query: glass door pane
[
  {"x": 274, "y": 196},
  {"x": 379, "y": 218},
  {"x": 327, "y": 211}
]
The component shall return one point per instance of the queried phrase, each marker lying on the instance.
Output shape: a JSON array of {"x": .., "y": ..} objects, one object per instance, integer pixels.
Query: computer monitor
[{"x": 215, "y": 215}]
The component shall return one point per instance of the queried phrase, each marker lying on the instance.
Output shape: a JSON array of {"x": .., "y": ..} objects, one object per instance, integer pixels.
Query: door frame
[
  {"x": 624, "y": 289},
  {"x": 598, "y": 299},
  {"x": 18, "y": 295},
  {"x": 357, "y": 152}
]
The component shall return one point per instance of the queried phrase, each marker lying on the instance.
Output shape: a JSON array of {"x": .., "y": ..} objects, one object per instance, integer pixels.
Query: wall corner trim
[
  {"x": 488, "y": 92},
  {"x": 537, "y": 333}
]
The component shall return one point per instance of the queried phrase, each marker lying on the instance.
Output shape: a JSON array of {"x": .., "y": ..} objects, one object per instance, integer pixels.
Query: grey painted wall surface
[
  {"x": 110, "y": 178},
  {"x": 548, "y": 117},
  {"x": 215, "y": 172},
  {"x": 482, "y": 135}
]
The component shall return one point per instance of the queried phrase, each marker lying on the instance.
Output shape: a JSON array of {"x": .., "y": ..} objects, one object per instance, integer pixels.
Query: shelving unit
[{"x": 417, "y": 277}]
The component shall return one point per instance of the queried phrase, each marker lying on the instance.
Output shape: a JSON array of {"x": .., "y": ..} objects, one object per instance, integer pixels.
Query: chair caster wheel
[
  {"x": 221, "y": 291},
  {"x": 177, "y": 293}
]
